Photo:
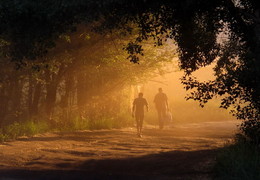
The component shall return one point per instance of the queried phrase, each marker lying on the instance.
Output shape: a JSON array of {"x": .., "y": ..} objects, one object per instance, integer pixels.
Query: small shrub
[
  {"x": 3, "y": 137},
  {"x": 13, "y": 130},
  {"x": 123, "y": 120},
  {"x": 102, "y": 123},
  {"x": 31, "y": 128},
  {"x": 80, "y": 124}
]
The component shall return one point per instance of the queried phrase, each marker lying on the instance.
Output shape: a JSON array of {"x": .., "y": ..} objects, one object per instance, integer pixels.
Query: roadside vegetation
[
  {"x": 238, "y": 160},
  {"x": 31, "y": 128},
  {"x": 84, "y": 83}
]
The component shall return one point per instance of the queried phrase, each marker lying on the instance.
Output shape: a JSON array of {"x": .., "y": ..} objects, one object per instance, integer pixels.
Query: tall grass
[
  {"x": 28, "y": 128},
  {"x": 31, "y": 128},
  {"x": 94, "y": 123},
  {"x": 238, "y": 161},
  {"x": 117, "y": 122}
]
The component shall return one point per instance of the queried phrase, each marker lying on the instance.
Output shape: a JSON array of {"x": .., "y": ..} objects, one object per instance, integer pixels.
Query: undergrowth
[
  {"x": 31, "y": 128},
  {"x": 238, "y": 161},
  {"x": 17, "y": 129}
]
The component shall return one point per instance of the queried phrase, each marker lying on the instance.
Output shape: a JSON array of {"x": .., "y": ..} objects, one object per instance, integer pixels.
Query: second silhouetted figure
[{"x": 161, "y": 104}]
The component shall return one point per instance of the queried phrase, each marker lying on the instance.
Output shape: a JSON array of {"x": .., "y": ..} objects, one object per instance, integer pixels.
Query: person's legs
[
  {"x": 137, "y": 118},
  {"x": 163, "y": 117},
  {"x": 141, "y": 124},
  {"x": 160, "y": 118}
]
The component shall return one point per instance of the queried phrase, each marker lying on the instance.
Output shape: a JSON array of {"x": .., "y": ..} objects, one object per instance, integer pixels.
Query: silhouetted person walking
[
  {"x": 161, "y": 104},
  {"x": 138, "y": 112}
]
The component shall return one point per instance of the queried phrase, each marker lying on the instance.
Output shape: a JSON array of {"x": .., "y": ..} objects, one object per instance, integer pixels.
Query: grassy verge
[
  {"x": 238, "y": 161},
  {"x": 96, "y": 123},
  {"x": 28, "y": 128},
  {"x": 31, "y": 128}
]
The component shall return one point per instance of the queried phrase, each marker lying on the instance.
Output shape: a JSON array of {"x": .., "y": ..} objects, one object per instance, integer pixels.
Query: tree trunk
[
  {"x": 3, "y": 104},
  {"x": 17, "y": 98},
  {"x": 81, "y": 93},
  {"x": 36, "y": 98},
  {"x": 30, "y": 95},
  {"x": 51, "y": 99}
]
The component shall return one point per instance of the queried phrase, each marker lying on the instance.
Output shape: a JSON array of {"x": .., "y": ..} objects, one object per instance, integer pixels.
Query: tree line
[{"x": 86, "y": 76}]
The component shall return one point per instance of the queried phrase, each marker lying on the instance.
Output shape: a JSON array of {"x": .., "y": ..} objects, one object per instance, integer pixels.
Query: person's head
[
  {"x": 140, "y": 95},
  {"x": 160, "y": 90}
]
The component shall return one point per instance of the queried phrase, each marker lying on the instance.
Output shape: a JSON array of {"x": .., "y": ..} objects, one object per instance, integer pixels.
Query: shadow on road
[{"x": 166, "y": 165}]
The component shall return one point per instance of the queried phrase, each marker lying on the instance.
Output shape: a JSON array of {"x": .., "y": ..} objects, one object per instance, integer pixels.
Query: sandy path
[{"x": 181, "y": 152}]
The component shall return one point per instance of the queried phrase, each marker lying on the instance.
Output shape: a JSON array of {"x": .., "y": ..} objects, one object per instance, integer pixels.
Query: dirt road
[{"x": 180, "y": 152}]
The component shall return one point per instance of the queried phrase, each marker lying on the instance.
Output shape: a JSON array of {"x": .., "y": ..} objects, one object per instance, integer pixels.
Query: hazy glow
[{"x": 182, "y": 110}]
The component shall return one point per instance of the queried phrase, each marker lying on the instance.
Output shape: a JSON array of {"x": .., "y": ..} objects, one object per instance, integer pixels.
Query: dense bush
[
  {"x": 238, "y": 161},
  {"x": 251, "y": 129}
]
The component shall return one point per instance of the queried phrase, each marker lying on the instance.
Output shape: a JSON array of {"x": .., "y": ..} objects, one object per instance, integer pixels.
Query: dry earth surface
[{"x": 178, "y": 152}]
